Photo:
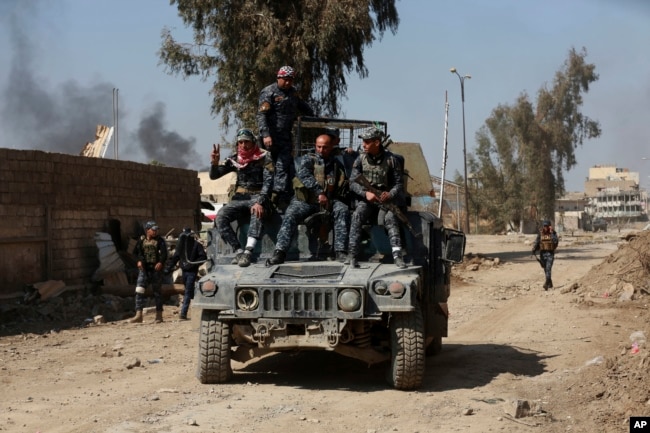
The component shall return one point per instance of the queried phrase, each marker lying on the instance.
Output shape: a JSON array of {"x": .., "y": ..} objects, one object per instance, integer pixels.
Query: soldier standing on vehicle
[
  {"x": 546, "y": 242},
  {"x": 191, "y": 254},
  {"x": 151, "y": 252},
  {"x": 384, "y": 171},
  {"x": 323, "y": 177},
  {"x": 279, "y": 106},
  {"x": 252, "y": 192}
]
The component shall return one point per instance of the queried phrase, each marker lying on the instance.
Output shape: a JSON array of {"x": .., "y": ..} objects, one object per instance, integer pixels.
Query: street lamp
[{"x": 462, "y": 98}]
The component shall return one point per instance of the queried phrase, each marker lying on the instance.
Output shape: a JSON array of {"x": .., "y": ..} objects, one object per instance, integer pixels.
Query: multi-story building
[{"x": 613, "y": 193}]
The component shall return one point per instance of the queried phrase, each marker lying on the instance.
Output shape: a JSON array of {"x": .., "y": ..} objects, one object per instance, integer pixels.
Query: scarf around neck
[{"x": 244, "y": 157}]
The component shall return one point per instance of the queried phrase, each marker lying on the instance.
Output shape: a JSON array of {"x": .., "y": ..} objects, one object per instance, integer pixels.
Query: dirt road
[{"x": 554, "y": 351}]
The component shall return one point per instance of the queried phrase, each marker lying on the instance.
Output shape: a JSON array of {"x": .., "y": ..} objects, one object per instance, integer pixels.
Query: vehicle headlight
[
  {"x": 349, "y": 300},
  {"x": 247, "y": 300},
  {"x": 380, "y": 287},
  {"x": 396, "y": 289}
]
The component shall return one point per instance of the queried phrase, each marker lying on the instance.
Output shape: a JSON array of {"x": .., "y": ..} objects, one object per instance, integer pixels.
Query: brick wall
[{"x": 51, "y": 206}]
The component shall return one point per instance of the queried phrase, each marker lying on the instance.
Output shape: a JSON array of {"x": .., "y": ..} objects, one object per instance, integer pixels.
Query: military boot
[
  {"x": 351, "y": 260},
  {"x": 159, "y": 317},
  {"x": 398, "y": 259},
  {"x": 545, "y": 286},
  {"x": 245, "y": 258},
  {"x": 137, "y": 318},
  {"x": 341, "y": 257},
  {"x": 238, "y": 254},
  {"x": 277, "y": 259},
  {"x": 549, "y": 283}
]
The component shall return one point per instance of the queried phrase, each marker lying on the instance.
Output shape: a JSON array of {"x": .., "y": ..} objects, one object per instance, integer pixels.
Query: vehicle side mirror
[{"x": 455, "y": 246}]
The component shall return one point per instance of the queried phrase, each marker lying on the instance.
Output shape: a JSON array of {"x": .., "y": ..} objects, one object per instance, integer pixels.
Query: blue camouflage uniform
[
  {"x": 190, "y": 253},
  {"x": 277, "y": 111},
  {"x": 319, "y": 176},
  {"x": 385, "y": 172},
  {"x": 150, "y": 252},
  {"x": 546, "y": 242},
  {"x": 253, "y": 185}
]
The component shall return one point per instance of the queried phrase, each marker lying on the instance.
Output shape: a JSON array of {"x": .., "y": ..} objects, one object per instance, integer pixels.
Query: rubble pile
[
  {"x": 622, "y": 281},
  {"x": 475, "y": 262},
  {"x": 624, "y": 275},
  {"x": 69, "y": 310}
]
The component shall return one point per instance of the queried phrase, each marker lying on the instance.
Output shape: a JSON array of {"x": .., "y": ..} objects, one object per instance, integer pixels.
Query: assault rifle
[
  {"x": 361, "y": 180},
  {"x": 386, "y": 141}
]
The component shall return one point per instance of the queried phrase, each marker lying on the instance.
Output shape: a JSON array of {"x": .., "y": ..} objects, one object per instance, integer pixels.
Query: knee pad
[{"x": 140, "y": 290}]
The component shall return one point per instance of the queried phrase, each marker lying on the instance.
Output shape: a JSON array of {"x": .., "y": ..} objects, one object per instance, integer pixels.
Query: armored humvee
[{"x": 374, "y": 313}]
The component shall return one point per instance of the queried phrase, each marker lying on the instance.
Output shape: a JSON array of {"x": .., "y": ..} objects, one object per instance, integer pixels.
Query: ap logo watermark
[{"x": 640, "y": 424}]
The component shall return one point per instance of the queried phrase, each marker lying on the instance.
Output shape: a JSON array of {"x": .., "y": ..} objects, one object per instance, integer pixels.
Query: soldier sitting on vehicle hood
[
  {"x": 323, "y": 177},
  {"x": 384, "y": 172},
  {"x": 252, "y": 193}
]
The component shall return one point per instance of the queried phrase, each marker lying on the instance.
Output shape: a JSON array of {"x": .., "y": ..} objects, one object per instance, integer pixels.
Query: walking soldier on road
[{"x": 546, "y": 242}]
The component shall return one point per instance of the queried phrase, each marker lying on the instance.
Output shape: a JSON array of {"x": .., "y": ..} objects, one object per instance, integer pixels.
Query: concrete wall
[{"x": 51, "y": 206}]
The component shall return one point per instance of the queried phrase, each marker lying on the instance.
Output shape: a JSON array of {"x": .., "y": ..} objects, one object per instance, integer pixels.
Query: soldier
[
  {"x": 191, "y": 254},
  {"x": 151, "y": 251},
  {"x": 279, "y": 106},
  {"x": 346, "y": 155},
  {"x": 546, "y": 242},
  {"x": 252, "y": 192},
  {"x": 384, "y": 171},
  {"x": 323, "y": 177}
]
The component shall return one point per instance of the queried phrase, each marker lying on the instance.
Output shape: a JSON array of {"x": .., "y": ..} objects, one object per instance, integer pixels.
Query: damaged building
[
  {"x": 612, "y": 193},
  {"x": 615, "y": 193}
]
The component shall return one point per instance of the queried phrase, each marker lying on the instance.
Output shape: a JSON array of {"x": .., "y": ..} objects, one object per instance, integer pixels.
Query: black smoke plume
[
  {"x": 165, "y": 146},
  {"x": 63, "y": 118}
]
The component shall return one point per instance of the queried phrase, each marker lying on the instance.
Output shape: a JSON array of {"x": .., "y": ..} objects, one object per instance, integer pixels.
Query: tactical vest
[
  {"x": 377, "y": 174},
  {"x": 330, "y": 184},
  {"x": 546, "y": 242},
  {"x": 150, "y": 250}
]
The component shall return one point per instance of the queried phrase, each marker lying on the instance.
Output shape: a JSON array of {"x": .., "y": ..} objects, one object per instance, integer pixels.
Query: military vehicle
[{"x": 377, "y": 313}]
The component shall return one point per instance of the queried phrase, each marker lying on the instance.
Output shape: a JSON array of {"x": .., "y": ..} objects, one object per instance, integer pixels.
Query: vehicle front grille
[{"x": 309, "y": 302}]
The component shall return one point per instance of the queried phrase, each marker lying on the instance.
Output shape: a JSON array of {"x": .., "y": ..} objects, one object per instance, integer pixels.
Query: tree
[
  {"x": 523, "y": 149},
  {"x": 242, "y": 43}
]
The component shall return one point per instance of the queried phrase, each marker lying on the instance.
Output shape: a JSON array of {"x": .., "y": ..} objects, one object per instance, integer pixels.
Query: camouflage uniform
[
  {"x": 319, "y": 176},
  {"x": 546, "y": 242},
  {"x": 253, "y": 185},
  {"x": 150, "y": 252},
  {"x": 277, "y": 111},
  {"x": 385, "y": 172}
]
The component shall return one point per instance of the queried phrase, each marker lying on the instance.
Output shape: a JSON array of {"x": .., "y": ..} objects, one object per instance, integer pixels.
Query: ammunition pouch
[
  {"x": 235, "y": 190},
  {"x": 302, "y": 193}
]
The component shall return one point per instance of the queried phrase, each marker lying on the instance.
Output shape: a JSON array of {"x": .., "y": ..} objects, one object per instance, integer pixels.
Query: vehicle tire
[
  {"x": 408, "y": 359},
  {"x": 214, "y": 349}
]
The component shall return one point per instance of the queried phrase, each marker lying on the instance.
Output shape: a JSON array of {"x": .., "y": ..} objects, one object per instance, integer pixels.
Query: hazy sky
[{"x": 61, "y": 60}]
